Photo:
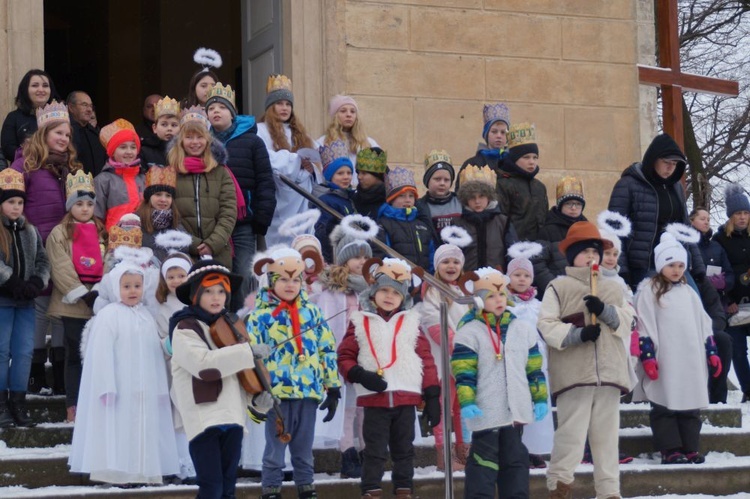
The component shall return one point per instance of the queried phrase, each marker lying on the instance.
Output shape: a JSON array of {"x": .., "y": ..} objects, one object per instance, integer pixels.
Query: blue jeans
[
  {"x": 299, "y": 419},
  {"x": 216, "y": 456},
  {"x": 739, "y": 336},
  {"x": 243, "y": 240},
  {"x": 16, "y": 344}
]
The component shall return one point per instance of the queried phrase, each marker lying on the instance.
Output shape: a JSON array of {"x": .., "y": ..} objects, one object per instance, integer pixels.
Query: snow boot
[
  {"x": 351, "y": 466},
  {"x": 17, "y": 406},
  {"x": 562, "y": 491},
  {"x": 57, "y": 357},
  {"x": 6, "y": 420}
]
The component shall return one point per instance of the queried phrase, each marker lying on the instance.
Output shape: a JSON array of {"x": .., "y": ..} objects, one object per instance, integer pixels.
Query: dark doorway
[{"x": 120, "y": 52}]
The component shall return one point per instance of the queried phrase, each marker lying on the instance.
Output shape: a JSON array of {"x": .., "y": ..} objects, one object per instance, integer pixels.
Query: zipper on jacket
[
  {"x": 197, "y": 198},
  {"x": 16, "y": 247}
]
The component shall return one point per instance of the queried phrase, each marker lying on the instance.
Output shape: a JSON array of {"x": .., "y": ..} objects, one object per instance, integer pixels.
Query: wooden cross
[{"x": 669, "y": 77}]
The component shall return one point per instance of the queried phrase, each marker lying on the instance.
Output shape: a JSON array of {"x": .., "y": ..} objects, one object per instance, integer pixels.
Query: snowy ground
[{"x": 642, "y": 462}]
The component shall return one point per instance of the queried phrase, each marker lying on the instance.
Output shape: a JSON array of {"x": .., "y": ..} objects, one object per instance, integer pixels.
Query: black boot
[
  {"x": 6, "y": 420},
  {"x": 17, "y": 406},
  {"x": 271, "y": 493},
  {"x": 351, "y": 466},
  {"x": 306, "y": 492},
  {"x": 57, "y": 355},
  {"x": 38, "y": 374}
]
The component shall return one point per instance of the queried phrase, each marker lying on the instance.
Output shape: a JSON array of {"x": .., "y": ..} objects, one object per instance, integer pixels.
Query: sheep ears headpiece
[
  {"x": 396, "y": 269},
  {"x": 289, "y": 263},
  {"x": 487, "y": 279}
]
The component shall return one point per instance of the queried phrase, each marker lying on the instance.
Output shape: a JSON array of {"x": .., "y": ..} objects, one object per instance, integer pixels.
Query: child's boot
[
  {"x": 372, "y": 494},
  {"x": 57, "y": 357},
  {"x": 38, "y": 374},
  {"x": 6, "y": 420},
  {"x": 562, "y": 491},
  {"x": 17, "y": 406},
  {"x": 271, "y": 493},
  {"x": 351, "y": 466},
  {"x": 695, "y": 457},
  {"x": 306, "y": 492},
  {"x": 404, "y": 493},
  {"x": 673, "y": 457}
]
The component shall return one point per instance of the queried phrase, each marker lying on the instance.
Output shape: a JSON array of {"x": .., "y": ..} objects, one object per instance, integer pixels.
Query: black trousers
[
  {"x": 388, "y": 429},
  {"x": 498, "y": 460},
  {"x": 216, "y": 455},
  {"x": 717, "y": 387},
  {"x": 675, "y": 429},
  {"x": 72, "y": 331}
]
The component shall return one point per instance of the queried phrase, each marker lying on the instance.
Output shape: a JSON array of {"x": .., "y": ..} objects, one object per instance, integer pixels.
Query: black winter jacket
[
  {"x": 737, "y": 248},
  {"x": 248, "y": 160},
  {"x": 368, "y": 202},
  {"x": 410, "y": 234},
  {"x": 491, "y": 233},
  {"x": 556, "y": 225},
  {"x": 523, "y": 198},
  {"x": 153, "y": 152},
  {"x": 16, "y": 128},
  {"x": 714, "y": 254},
  {"x": 90, "y": 151},
  {"x": 549, "y": 264},
  {"x": 483, "y": 157}
]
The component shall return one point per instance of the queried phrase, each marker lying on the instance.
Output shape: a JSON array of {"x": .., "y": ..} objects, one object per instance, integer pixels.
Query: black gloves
[
  {"x": 431, "y": 411},
  {"x": 89, "y": 298},
  {"x": 594, "y": 304},
  {"x": 331, "y": 403},
  {"x": 369, "y": 379},
  {"x": 591, "y": 332}
]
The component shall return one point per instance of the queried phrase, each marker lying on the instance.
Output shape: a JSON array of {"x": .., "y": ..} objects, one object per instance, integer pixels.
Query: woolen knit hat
[
  {"x": 668, "y": 251},
  {"x": 278, "y": 87},
  {"x": 522, "y": 141},
  {"x": 223, "y": 95},
  {"x": 736, "y": 199},
  {"x": 346, "y": 246},
  {"x": 78, "y": 185},
  {"x": 337, "y": 101},
  {"x": 492, "y": 113},
  {"x": 117, "y": 133},
  {"x": 521, "y": 263},
  {"x": 334, "y": 156},
  {"x": 398, "y": 181},
  {"x": 437, "y": 160},
  {"x": 160, "y": 179},
  {"x": 445, "y": 251}
]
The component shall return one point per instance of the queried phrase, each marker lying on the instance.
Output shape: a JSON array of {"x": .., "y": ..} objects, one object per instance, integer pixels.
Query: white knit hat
[
  {"x": 669, "y": 250},
  {"x": 616, "y": 242}
]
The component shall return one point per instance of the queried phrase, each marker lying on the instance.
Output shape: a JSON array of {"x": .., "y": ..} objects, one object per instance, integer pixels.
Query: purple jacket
[{"x": 45, "y": 198}]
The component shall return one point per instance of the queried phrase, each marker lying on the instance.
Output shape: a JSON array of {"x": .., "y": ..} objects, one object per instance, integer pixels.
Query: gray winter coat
[{"x": 28, "y": 259}]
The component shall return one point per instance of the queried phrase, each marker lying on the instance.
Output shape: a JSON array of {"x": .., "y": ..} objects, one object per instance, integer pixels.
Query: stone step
[
  {"x": 719, "y": 476},
  {"x": 46, "y": 409}
]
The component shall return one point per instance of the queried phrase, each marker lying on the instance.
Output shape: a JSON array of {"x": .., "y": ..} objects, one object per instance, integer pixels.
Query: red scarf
[
  {"x": 128, "y": 172},
  {"x": 194, "y": 165},
  {"x": 293, "y": 311}
]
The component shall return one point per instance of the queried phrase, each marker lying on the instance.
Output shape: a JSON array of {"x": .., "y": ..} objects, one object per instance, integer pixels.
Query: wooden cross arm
[{"x": 649, "y": 75}]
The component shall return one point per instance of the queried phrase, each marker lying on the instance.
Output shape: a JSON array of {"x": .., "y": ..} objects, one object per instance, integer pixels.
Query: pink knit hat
[
  {"x": 448, "y": 251},
  {"x": 521, "y": 263},
  {"x": 340, "y": 100}
]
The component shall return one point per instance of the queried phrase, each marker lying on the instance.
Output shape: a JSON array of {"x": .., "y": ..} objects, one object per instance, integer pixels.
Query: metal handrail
[{"x": 446, "y": 292}]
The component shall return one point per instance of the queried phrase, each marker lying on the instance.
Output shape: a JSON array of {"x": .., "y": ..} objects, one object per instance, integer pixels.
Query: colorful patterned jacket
[{"x": 294, "y": 376}]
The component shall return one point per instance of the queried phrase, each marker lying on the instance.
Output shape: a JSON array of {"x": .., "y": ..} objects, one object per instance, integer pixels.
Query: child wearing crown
[
  {"x": 248, "y": 161},
  {"x": 337, "y": 192},
  {"x": 491, "y": 231},
  {"x": 439, "y": 204},
  {"x": 24, "y": 273},
  {"x": 389, "y": 362},
  {"x": 300, "y": 351},
  {"x": 284, "y": 135},
  {"x": 495, "y": 134},
  {"x": 157, "y": 211},
  {"x": 75, "y": 249},
  {"x": 588, "y": 363},
  {"x": 500, "y": 386},
  {"x": 47, "y": 158},
  {"x": 165, "y": 126},
  {"x": 120, "y": 184},
  {"x": 372, "y": 165},
  {"x": 124, "y": 390}
]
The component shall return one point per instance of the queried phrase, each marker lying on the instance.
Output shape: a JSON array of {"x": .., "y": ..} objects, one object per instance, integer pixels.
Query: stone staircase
[{"x": 37, "y": 458}]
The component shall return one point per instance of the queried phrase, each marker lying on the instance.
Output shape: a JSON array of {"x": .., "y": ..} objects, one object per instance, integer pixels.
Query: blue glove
[
  {"x": 540, "y": 411},
  {"x": 471, "y": 411}
]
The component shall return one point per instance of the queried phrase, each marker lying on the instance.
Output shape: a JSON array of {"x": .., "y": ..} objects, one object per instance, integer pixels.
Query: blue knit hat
[
  {"x": 334, "y": 157},
  {"x": 736, "y": 200}
]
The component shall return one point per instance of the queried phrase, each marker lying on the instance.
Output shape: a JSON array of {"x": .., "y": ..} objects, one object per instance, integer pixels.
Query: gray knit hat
[{"x": 346, "y": 246}]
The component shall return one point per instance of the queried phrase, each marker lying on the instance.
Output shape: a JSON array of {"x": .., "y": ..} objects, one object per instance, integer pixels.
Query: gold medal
[
  {"x": 302, "y": 358},
  {"x": 499, "y": 356},
  {"x": 380, "y": 372}
]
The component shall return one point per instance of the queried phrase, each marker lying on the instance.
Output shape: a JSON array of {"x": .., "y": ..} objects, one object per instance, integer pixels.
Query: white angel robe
[
  {"x": 288, "y": 202},
  {"x": 124, "y": 431}
]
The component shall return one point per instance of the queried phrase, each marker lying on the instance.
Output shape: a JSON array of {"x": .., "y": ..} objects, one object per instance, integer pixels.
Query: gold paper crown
[
  {"x": 523, "y": 133},
  {"x": 11, "y": 180},
  {"x": 110, "y": 130},
  {"x": 370, "y": 161},
  {"x": 194, "y": 113},
  {"x": 436, "y": 156},
  {"x": 569, "y": 187},
  {"x": 220, "y": 90},
  {"x": 52, "y": 113},
  {"x": 131, "y": 237},
  {"x": 79, "y": 182},
  {"x": 278, "y": 82},
  {"x": 166, "y": 107},
  {"x": 161, "y": 175},
  {"x": 474, "y": 173}
]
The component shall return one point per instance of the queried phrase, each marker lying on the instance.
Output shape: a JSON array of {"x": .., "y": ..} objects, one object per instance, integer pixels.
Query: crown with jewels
[
  {"x": 523, "y": 133},
  {"x": 131, "y": 236},
  {"x": 329, "y": 153},
  {"x": 436, "y": 156},
  {"x": 473, "y": 173},
  {"x": 368, "y": 160},
  {"x": 496, "y": 112},
  {"x": 194, "y": 113},
  {"x": 52, "y": 113},
  {"x": 109, "y": 131},
  {"x": 161, "y": 175},
  {"x": 166, "y": 107},
  {"x": 569, "y": 187},
  {"x": 79, "y": 182},
  {"x": 278, "y": 82},
  {"x": 220, "y": 90},
  {"x": 11, "y": 180}
]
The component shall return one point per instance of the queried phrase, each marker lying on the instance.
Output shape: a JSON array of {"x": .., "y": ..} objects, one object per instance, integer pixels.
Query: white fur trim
[
  {"x": 173, "y": 240},
  {"x": 455, "y": 235},
  {"x": 137, "y": 256},
  {"x": 207, "y": 57},
  {"x": 614, "y": 222},
  {"x": 365, "y": 228},
  {"x": 396, "y": 260},
  {"x": 525, "y": 249},
  {"x": 487, "y": 271},
  {"x": 75, "y": 295},
  {"x": 299, "y": 223},
  {"x": 683, "y": 233}
]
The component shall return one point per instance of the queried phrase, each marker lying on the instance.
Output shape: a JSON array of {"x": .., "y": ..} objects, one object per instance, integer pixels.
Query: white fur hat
[{"x": 669, "y": 250}]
